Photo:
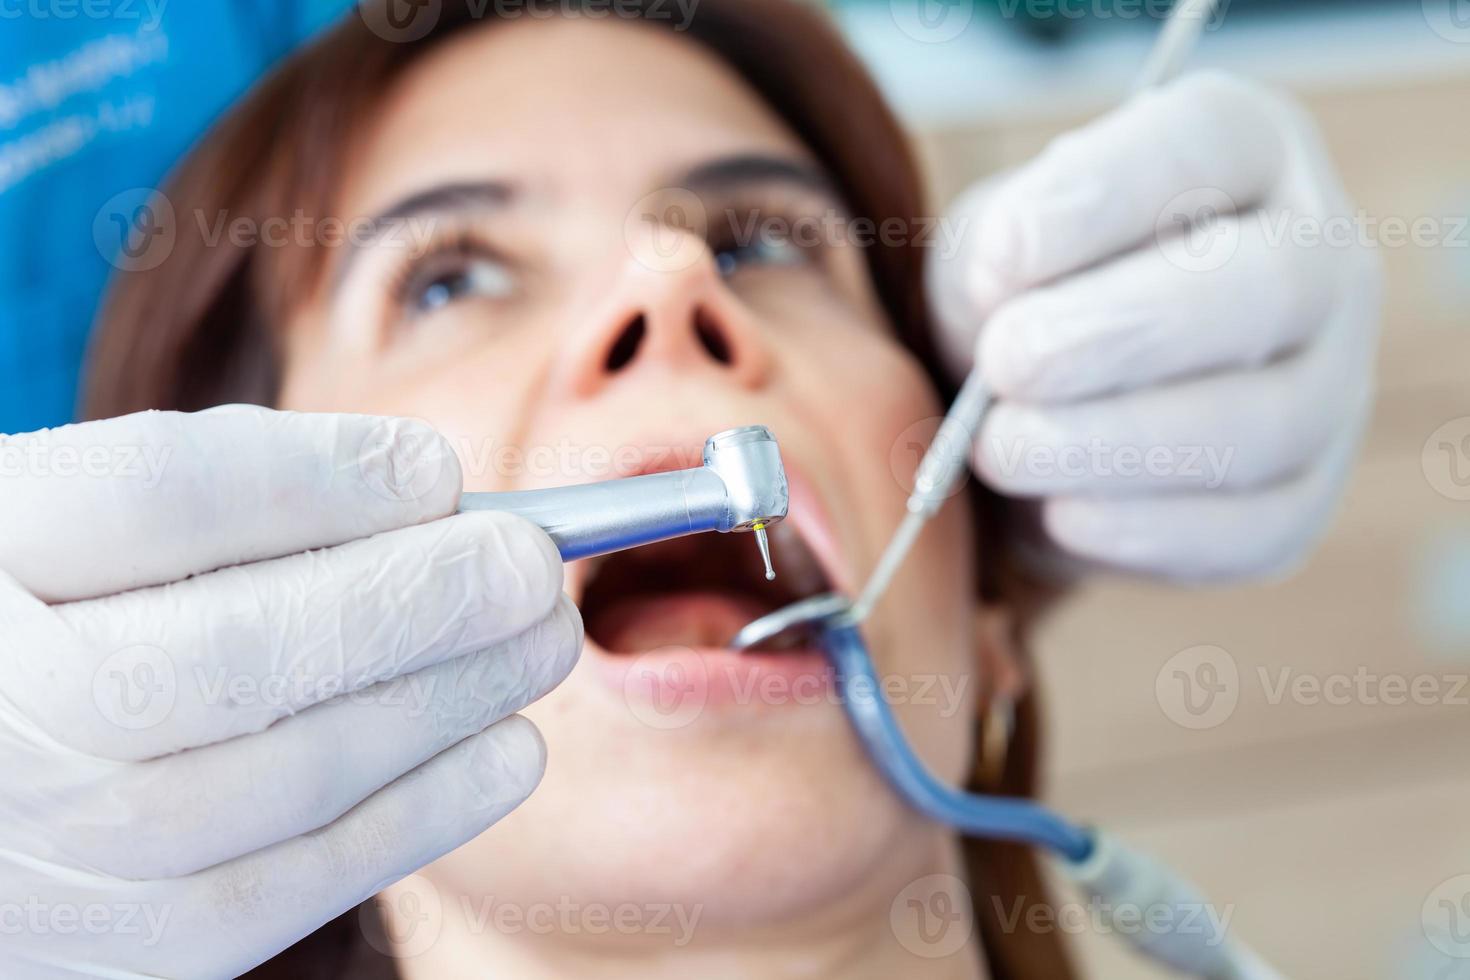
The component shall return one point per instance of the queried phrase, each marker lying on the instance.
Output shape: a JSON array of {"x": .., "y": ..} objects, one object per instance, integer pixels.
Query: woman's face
[{"x": 564, "y": 324}]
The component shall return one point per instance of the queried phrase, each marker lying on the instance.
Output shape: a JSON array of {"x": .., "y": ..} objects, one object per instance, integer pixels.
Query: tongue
[{"x": 689, "y": 619}]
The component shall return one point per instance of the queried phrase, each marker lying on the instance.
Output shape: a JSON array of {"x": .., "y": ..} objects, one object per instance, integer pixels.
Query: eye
[
  {"x": 452, "y": 272},
  {"x": 473, "y": 278},
  {"x": 764, "y": 250}
]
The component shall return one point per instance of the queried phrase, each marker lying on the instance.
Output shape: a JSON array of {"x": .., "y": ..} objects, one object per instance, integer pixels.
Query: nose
[{"x": 683, "y": 319}]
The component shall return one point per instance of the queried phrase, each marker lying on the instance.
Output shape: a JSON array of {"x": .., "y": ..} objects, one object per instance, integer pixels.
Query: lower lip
[{"x": 682, "y": 681}]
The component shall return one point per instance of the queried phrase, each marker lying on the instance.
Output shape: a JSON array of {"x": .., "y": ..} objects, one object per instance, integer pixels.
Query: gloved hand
[
  {"x": 1179, "y": 319},
  {"x": 214, "y": 740}
]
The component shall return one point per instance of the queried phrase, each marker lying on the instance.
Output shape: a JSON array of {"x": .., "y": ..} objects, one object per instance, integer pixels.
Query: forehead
[{"x": 565, "y": 108}]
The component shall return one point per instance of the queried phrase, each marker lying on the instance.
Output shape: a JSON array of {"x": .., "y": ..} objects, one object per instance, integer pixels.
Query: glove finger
[
  {"x": 1203, "y": 537},
  {"x": 1146, "y": 318},
  {"x": 1208, "y": 141},
  {"x": 226, "y": 919},
  {"x": 225, "y": 654},
  {"x": 102, "y": 507},
  {"x": 420, "y": 817},
  {"x": 170, "y": 817},
  {"x": 1232, "y": 431}
]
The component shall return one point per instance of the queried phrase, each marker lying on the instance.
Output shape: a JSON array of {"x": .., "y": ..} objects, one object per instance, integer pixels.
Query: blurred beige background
[{"x": 1325, "y": 825}]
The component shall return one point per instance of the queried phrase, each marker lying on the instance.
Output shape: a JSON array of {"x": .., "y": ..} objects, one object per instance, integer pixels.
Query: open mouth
[{"x": 696, "y": 592}]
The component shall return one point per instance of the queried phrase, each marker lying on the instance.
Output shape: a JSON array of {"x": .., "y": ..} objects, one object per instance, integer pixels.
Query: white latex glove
[
  {"x": 1148, "y": 285},
  {"x": 182, "y": 796}
]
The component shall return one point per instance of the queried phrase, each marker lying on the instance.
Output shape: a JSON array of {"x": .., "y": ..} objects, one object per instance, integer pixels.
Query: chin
[{"x": 786, "y": 822}]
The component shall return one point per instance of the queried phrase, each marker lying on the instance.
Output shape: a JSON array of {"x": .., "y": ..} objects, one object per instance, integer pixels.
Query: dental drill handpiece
[{"x": 740, "y": 487}]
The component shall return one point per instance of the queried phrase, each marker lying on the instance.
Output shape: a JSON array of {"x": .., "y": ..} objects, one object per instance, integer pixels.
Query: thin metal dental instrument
[
  {"x": 948, "y": 456},
  {"x": 1180, "y": 33},
  {"x": 741, "y": 487},
  {"x": 944, "y": 464}
]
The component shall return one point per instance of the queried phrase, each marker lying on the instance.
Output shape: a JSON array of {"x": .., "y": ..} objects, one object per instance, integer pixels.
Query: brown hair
[{"x": 195, "y": 331}]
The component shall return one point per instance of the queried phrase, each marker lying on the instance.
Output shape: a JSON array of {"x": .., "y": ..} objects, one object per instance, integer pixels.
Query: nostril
[
  {"x": 712, "y": 337},
  {"x": 626, "y": 346}
]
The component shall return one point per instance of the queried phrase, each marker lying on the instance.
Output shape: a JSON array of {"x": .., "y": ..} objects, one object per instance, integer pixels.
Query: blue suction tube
[{"x": 996, "y": 817}]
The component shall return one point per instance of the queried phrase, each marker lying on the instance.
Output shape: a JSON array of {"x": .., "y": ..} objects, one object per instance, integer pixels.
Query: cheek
[
  {"x": 477, "y": 398},
  {"x": 922, "y": 634}
]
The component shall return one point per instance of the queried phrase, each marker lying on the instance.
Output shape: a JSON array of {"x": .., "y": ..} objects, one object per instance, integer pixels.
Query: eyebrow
[
  {"x": 444, "y": 199},
  {"x": 731, "y": 172},
  {"x": 450, "y": 198}
]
